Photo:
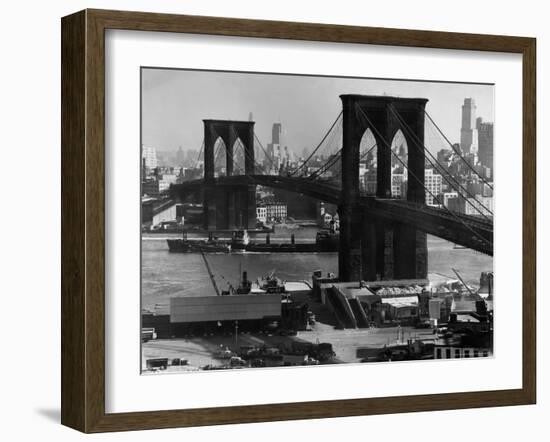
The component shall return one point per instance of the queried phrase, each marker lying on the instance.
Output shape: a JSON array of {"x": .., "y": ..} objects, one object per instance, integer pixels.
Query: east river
[{"x": 167, "y": 274}]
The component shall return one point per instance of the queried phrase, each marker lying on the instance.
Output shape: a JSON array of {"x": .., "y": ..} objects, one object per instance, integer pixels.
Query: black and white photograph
[
  {"x": 246, "y": 221},
  {"x": 295, "y": 220}
]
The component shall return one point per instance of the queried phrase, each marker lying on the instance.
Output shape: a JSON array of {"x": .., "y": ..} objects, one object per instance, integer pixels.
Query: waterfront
[
  {"x": 167, "y": 274},
  {"x": 199, "y": 351},
  {"x": 427, "y": 307}
]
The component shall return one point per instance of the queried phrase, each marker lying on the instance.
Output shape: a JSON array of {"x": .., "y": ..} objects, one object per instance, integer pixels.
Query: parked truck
[
  {"x": 157, "y": 364},
  {"x": 147, "y": 334}
]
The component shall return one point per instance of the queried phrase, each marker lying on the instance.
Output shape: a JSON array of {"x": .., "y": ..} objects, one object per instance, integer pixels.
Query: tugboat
[
  {"x": 327, "y": 241},
  {"x": 240, "y": 240},
  {"x": 244, "y": 287},
  {"x": 179, "y": 246},
  {"x": 271, "y": 284}
]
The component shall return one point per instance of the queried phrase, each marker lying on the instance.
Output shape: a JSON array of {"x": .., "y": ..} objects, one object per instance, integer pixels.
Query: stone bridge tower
[
  {"x": 371, "y": 248},
  {"x": 228, "y": 207}
]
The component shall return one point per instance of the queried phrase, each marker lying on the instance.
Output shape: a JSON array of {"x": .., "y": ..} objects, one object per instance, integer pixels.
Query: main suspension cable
[
  {"x": 418, "y": 180},
  {"x": 425, "y": 150},
  {"x": 200, "y": 153},
  {"x": 457, "y": 152},
  {"x": 318, "y": 146}
]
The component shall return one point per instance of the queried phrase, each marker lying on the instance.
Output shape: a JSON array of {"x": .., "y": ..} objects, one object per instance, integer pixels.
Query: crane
[
  {"x": 462, "y": 281},
  {"x": 210, "y": 274}
]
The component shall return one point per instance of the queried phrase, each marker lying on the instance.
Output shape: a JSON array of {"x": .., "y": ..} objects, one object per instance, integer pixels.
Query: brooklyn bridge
[{"x": 379, "y": 235}]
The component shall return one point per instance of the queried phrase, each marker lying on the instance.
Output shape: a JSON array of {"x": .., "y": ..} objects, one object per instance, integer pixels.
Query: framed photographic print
[{"x": 269, "y": 220}]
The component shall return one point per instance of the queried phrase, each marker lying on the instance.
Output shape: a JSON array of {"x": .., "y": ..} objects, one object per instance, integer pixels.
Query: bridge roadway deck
[{"x": 468, "y": 231}]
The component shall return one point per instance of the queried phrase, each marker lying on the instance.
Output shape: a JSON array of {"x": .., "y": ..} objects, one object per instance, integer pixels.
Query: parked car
[
  {"x": 224, "y": 354},
  {"x": 236, "y": 361}
]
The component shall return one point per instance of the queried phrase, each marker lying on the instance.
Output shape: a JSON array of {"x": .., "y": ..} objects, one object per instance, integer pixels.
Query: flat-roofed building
[
  {"x": 485, "y": 137},
  {"x": 276, "y": 210},
  {"x": 433, "y": 181},
  {"x": 192, "y": 309},
  {"x": 261, "y": 213}
]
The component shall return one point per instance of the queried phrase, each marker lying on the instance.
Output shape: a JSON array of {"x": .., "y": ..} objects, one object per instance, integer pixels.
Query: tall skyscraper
[
  {"x": 276, "y": 133},
  {"x": 274, "y": 148},
  {"x": 485, "y": 141},
  {"x": 180, "y": 157},
  {"x": 468, "y": 132},
  {"x": 149, "y": 154}
]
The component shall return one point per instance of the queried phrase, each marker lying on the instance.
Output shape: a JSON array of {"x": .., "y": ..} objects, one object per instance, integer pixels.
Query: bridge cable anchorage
[
  {"x": 476, "y": 234},
  {"x": 457, "y": 152},
  {"x": 318, "y": 146},
  {"x": 421, "y": 146}
]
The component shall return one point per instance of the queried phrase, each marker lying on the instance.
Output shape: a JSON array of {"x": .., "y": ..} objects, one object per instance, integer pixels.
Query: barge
[{"x": 325, "y": 241}]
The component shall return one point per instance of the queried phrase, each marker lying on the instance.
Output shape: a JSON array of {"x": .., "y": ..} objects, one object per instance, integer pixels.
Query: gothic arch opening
[
  {"x": 220, "y": 166},
  {"x": 238, "y": 157},
  {"x": 368, "y": 163},
  {"x": 399, "y": 161}
]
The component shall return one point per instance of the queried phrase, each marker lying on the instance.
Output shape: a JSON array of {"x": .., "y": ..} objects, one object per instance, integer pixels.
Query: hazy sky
[{"x": 174, "y": 103}]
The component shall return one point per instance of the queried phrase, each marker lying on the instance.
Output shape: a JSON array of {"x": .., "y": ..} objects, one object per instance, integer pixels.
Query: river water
[{"x": 167, "y": 274}]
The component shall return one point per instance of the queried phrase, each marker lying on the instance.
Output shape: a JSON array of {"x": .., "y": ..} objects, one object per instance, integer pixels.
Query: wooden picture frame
[{"x": 83, "y": 219}]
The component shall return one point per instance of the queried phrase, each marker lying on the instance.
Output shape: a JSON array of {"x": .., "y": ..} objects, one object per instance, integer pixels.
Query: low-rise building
[
  {"x": 447, "y": 196},
  {"x": 399, "y": 182},
  {"x": 450, "y": 352},
  {"x": 261, "y": 213},
  {"x": 155, "y": 212},
  {"x": 370, "y": 181},
  {"x": 479, "y": 205},
  {"x": 276, "y": 211},
  {"x": 154, "y": 187}
]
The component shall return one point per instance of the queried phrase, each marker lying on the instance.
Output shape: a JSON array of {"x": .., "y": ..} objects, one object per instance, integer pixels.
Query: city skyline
[{"x": 175, "y": 102}]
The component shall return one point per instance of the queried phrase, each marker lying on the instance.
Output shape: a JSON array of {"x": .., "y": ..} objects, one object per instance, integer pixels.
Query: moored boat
[
  {"x": 187, "y": 246},
  {"x": 240, "y": 240}
]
